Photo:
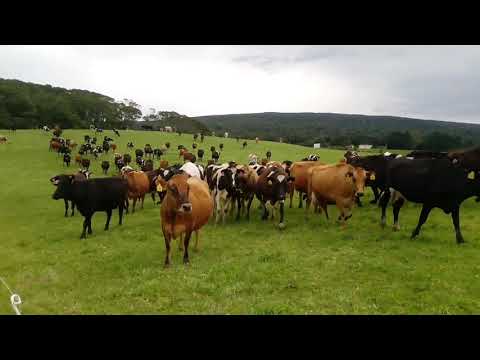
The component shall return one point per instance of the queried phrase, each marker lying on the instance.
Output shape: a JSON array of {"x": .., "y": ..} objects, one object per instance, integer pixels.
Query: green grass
[{"x": 312, "y": 267}]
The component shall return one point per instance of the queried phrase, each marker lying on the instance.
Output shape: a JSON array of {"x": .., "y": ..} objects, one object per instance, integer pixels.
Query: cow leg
[
  {"x": 196, "y": 241},
  {"x": 167, "y": 238},
  {"x": 66, "y": 207},
  {"x": 187, "y": 241},
  {"x": 127, "y": 205},
  {"x": 265, "y": 211},
  {"x": 85, "y": 223},
  {"x": 423, "y": 217},
  {"x": 291, "y": 197},
  {"x": 375, "y": 193},
  {"x": 73, "y": 209},
  {"x": 357, "y": 201},
  {"x": 143, "y": 199},
  {"x": 397, "y": 205},
  {"x": 180, "y": 242},
  {"x": 248, "y": 207},
  {"x": 90, "y": 224},
  {"x": 456, "y": 223},
  {"x": 109, "y": 215},
  {"x": 134, "y": 203},
  {"x": 300, "y": 198},
  {"x": 153, "y": 197},
  {"x": 120, "y": 213},
  {"x": 282, "y": 212},
  {"x": 384, "y": 203},
  {"x": 239, "y": 207}
]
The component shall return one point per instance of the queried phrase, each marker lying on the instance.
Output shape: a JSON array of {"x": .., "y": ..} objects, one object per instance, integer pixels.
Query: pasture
[{"x": 311, "y": 267}]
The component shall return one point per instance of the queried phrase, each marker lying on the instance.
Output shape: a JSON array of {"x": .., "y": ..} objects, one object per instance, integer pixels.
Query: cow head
[
  {"x": 179, "y": 191},
  {"x": 278, "y": 179},
  {"x": 63, "y": 184},
  {"x": 467, "y": 159},
  {"x": 358, "y": 176},
  {"x": 226, "y": 180}
]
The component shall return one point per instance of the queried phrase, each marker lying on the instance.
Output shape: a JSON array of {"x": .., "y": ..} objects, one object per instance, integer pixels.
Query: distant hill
[
  {"x": 181, "y": 123},
  {"x": 338, "y": 129}
]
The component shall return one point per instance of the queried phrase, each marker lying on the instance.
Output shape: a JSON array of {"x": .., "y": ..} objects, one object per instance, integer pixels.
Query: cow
[
  {"x": 148, "y": 150},
  {"x": 269, "y": 155},
  {"x": 221, "y": 183},
  {"x": 138, "y": 153},
  {"x": 244, "y": 145},
  {"x": 221, "y": 147},
  {"x": 119, "y": 163},
  {"x": 79, "y": 176},
  {"x": 195, "y": 137},
  {"x": 193, "y": 169},
  {"x": 3, "y": 139},
  {"x": 271, "y": 189},
  {"x": 92, "y": 195},
  {"x": 66, "y": 159},
  {"x": 376, "y": 166},
  {"x": 127, "y": 159},
  {"x": 202, "y": 137},
  {"x": 138, "y": 186},
  {"x": 116, "y": 132},
  {"x": 140, "y": 161},
  {"x": 194, "y": 146},
  {"x": 147, "y": 165},
  {"x": 311, "y": 157},
  {"x": 441, "y": 183},
  {"x": 187, "y": 207},
  {"x": 106, "y": 147},
  {"x": 157, "y": 153},
  {"x": 105, "y": 166},
  {"x": 200, "y": 154},
  {"x": 78, "y": 159},
  {"x": 55, "y": 145},
  {"x": 130, "y": 145},
  {"x": 252, "y": 159},
  {"x": 469, "y": 159},
  {"x": 299, "y": 170},
  {"x": 187, "y": 156},
  {"x": 113, "y": 147},
  {"x": 245, "y": 183},
  {"x": 72, "y": 145},
  {"x": 337, "y": 184},
  {"x": 420, "y": 154},
  {"x": 215, "y": 156},
  {"x": 182, "y": 152},
  {"x": 86, "y": 164}
]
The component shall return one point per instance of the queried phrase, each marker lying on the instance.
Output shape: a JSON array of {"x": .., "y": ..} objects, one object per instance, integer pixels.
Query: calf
[
  {"x": 105, "y": 166},
  {"x": 187, "y": 207},
  {"x": 92, "y": 195},
  {"x": 335, "y": 184}
]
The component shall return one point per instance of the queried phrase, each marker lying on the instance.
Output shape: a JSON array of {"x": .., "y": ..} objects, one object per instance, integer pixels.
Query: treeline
[
  {"x": 26, "y": 105},
  {"x": 344, "y": 129}
]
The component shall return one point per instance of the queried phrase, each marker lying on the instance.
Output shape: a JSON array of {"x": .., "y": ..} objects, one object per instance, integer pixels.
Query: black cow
[
  {"x": 202, "y": 137},
  {"x": 221, "y": 147},
  {"x": 106, "y": 146},
  {"x": 92, "y": 195},
  {"x": 140, "y": 162},
  {"x": 433, "y": 183},
  {"x": 139, "y": 153},
  {"x": 269, "y": 155},
  {"x": 194, "y": 145},
  {"x": 130, "y": 145},
  {"x": 158, "y": 153},
  {"x": 66, "y": 159},
  {"x": 105, "y": 166},
  {"x": 127, "y": 159},
  {"x": 244, "y": 145},
  {"x": 200, "y": 153},
  {"x": 119, "y": 163},
  {"x": 420, "y": 154},
  {"x": 116, "y": 132},
  {"x": 86, "y": 163},
  {"x": 80, "y": 176}
]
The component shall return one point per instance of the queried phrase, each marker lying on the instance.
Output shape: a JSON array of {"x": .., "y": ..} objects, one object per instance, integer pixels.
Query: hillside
[
  {"x": 337, "y": 129},
  {"x": 27, "y": 105}
]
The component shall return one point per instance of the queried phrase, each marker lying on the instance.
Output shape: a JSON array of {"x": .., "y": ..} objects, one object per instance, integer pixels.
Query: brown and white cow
[
  {"x": 246, "y": 184},
  {"x": 187, "y": 207},
  {"x": 335, "y": 184}
]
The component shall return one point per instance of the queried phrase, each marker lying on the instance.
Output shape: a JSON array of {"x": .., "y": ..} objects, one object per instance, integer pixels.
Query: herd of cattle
[{"x": 190, "y": 193}]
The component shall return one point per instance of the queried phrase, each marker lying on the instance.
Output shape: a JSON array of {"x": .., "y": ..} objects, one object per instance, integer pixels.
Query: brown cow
[
  {"x": 163, "y": 164},
  {"x": 55, "y": 145},
  {"x": 298, "y": 170},
  {"x": 335, "y": 184},
  {"x": 78, "y": 159},
  {"x": 188, "y": 156},
  {"x": 182, "y": 152},
  {"x": 3, "y": 139},
  {"x": 245, "y": 182},
  {"x": 138, "y": 186},
  {"x": 187, "y": 206},
  {"x": 113, "y": 147}
]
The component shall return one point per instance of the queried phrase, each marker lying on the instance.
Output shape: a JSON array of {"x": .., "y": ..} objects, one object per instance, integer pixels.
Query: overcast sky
[{"x": 430, "y": 82}]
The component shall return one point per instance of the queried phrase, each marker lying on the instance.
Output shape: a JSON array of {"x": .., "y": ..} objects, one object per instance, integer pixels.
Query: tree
[
  {"x": 438, "y": 141},
  {"x": 400, "y": 140}
]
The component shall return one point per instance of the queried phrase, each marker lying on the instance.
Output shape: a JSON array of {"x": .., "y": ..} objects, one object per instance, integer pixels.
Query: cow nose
[
  {"x": 360, "y": 194},
  {"x": 187, "y": 207}
]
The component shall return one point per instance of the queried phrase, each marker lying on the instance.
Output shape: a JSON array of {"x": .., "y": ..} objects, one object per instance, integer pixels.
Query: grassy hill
[
  {"x": 338, "y": 129},
  {"x": 312, "y": 267}
]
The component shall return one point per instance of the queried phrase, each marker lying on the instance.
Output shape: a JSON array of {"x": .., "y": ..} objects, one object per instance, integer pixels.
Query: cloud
[{"x": 432, "y": 82}]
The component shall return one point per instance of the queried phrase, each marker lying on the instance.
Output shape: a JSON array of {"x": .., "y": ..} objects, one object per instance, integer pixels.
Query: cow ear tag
[
  {"x": 372, "y": 177},
  {"x": 159, "y": 187},
  {"x": 471, "y": 175}
]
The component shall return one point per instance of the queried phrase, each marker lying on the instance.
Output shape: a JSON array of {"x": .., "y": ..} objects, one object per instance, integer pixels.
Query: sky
[{"x": 427, "y": 82}]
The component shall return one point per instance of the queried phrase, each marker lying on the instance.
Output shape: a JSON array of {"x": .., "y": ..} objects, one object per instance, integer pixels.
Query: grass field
[{"x": 312, "y": 267}]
